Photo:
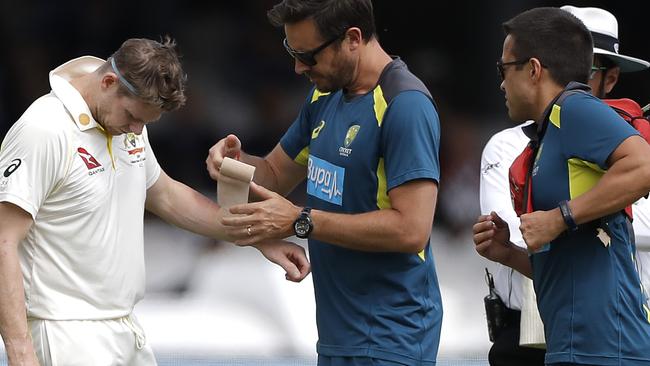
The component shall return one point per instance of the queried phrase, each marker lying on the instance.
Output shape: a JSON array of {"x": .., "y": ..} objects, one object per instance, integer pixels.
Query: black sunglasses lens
[{"x": 305, "y": 59}]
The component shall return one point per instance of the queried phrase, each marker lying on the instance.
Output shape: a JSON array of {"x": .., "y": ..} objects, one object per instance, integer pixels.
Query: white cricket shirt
[
  {"x": 497, "y": 157},
  {"x": 83, "y": 257}
]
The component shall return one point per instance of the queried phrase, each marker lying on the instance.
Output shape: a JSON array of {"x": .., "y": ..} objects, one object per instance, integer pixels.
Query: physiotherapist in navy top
[
  {"x": 589, "y": 166},
  {"x": 366, "y": 140}
]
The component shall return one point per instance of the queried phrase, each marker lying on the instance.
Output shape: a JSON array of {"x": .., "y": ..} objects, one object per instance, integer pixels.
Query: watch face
[{"x": 301, "y": 227}]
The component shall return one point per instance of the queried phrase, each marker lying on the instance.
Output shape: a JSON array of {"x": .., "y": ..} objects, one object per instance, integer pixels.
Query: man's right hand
[
  {"x": 229, "y": 147},
  {"x": 492, "y": 238}
]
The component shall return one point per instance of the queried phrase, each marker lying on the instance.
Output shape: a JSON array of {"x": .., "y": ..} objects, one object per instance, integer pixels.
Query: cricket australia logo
[
  {"x": 349, "y": 137},
  {"x": 134, "y": 146}
]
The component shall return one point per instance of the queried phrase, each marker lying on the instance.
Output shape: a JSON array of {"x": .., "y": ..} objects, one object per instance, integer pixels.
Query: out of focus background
[{"x": 211, "y": 303}]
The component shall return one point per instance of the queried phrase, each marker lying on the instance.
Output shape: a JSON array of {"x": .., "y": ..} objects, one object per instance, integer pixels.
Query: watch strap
[{"x": 567, "y": 215}]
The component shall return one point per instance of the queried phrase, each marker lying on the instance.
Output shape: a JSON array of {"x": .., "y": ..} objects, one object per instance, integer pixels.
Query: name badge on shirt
[{"x": 325, "y": 180}]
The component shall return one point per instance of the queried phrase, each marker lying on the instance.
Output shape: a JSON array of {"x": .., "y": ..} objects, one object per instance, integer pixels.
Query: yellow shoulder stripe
[
  {"x": 380, "y": 104},
  {"x": 555, "y": 115}
]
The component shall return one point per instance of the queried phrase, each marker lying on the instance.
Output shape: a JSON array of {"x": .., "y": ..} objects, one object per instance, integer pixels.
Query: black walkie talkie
[{"x": 495, "y": 309}]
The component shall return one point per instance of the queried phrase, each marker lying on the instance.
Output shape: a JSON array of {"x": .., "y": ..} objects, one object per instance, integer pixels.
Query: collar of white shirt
[{"x": 70, "y": 97}]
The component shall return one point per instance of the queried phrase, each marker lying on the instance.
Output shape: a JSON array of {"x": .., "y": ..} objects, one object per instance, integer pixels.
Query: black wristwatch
[{"x": 303, "y": 225}]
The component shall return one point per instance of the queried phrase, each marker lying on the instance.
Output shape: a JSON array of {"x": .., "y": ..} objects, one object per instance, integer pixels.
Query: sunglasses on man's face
[
  {"x": 501, "y": 66},
  {"x": 308, "y": 57}
]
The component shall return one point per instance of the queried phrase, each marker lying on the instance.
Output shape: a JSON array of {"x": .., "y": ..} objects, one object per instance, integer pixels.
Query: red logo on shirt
[
  {"x": 137, "y": 150},
  {"x": 91, "y": 162}
]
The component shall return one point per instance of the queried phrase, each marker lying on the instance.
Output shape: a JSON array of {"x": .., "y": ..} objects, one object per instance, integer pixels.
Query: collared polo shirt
[
  {"x": 588, "y": 288},
  {"x": 85, "y": 190},
  {"x": 355, "y": 150}
]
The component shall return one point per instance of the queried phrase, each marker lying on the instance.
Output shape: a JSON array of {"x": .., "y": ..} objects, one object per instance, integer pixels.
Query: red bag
[
  {"x": 521, "y": 191},
  {"x": 631, "y": 112}
]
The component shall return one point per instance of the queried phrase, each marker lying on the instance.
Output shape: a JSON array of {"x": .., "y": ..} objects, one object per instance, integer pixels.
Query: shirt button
[{"x": 84, "y": 119}]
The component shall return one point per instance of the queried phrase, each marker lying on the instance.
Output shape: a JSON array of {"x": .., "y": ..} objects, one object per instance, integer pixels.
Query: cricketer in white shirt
[{"x": 73, "y": 191}]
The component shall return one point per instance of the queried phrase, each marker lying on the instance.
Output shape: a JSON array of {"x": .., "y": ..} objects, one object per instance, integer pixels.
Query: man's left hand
[
  {"x": 540, "y": 227},
  {"x": 291, "y": 257},
  {"x": 271, "y": 218}
]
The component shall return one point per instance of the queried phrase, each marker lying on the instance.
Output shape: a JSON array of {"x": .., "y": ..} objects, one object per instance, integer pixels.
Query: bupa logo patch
[{"x": 325, "y": 180}]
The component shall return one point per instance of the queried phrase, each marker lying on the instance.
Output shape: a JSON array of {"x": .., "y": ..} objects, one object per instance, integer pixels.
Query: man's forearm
[
  {"x": 277, "y": 171},
  {"x": 13, "y": 316},
  {"x": 264, "y": 173},
  {"x": 519, "y": 261},
  {"x": 376, "y": 231},
  {"x": 188, "y": 209}
]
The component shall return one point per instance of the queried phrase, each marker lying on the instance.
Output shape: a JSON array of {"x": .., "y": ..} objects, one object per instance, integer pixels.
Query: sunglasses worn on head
[
  {"x": 501, "y": 66},
  {"x": 308, "y": 57}
]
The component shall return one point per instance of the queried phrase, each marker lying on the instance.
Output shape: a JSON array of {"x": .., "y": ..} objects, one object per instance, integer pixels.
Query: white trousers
[{"x": 113, "y": 342}]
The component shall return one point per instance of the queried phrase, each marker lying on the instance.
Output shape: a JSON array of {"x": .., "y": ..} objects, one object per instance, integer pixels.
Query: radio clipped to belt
[{"x": 495, "y": 310}]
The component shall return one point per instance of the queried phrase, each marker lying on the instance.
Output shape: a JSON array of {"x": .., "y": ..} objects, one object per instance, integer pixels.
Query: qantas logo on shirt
[{"x": 91, "y": 163}]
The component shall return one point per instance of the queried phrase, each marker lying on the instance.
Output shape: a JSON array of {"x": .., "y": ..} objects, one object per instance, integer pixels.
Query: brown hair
[
  {"x": 332, "y": 17},
  {"x": 151, "y": 71}
]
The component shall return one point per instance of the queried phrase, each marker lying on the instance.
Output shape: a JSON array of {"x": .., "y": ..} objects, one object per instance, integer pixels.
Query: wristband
[{"x": 567, "y": 215}]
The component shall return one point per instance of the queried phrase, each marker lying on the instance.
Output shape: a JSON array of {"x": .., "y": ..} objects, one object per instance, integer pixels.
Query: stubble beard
[{"x": 339, "y": 79}]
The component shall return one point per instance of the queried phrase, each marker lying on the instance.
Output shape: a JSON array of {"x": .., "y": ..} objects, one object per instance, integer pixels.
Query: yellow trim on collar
[{"x": 317, "y": 94}]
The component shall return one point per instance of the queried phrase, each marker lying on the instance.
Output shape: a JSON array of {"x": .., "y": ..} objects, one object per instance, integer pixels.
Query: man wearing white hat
[{"x": 498, "y": 155}]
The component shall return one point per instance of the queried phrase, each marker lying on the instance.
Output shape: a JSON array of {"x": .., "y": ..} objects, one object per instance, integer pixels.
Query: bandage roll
[
  {"x": 233, "y": 184},
  {"x": 237, "y": 170}
]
